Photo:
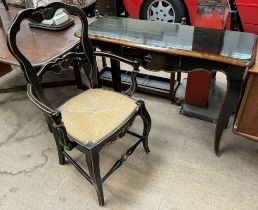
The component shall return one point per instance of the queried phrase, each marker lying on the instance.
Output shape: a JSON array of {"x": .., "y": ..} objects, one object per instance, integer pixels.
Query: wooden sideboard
[{"x": 246, "y": 123}]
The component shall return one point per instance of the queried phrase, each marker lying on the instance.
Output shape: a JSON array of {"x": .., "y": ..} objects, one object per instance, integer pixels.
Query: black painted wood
[
  {"x": 115, "y": 66},
  {"x": 123, "y": 158},
  {"x": 82, "y": 58},
  {"x": 234, "y": 87},
  {"x": 92, "y": 159}
]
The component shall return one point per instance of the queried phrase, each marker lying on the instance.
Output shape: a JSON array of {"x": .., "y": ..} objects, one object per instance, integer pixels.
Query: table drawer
[{"x": 152, "y": 60}]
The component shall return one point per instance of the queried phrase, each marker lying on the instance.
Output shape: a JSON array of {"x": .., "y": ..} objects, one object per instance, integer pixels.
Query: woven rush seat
[{"x": 95, "y": 114}]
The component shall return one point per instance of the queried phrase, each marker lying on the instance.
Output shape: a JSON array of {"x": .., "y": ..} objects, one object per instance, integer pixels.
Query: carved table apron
[{"x": 174, "y": 47}]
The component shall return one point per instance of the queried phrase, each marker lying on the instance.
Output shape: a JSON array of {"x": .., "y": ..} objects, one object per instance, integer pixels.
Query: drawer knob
[{"x": 148, "y": 58}]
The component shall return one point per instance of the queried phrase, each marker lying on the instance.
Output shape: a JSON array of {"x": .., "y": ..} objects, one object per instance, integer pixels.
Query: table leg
[
  {"x": 178, "y": 77},
  {"x": 116, "y": 74},
  {"x": 172, "y": 87},
  {"x": 234, "y": 86},
  {"x": 175, "y": 81},
  {"x": 104, "y": 62}
]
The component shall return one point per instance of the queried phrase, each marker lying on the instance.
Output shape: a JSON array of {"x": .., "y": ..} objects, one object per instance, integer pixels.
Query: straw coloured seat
[
  {"x": 95, "y": 117},
  {"x": 95, "y": 114}
]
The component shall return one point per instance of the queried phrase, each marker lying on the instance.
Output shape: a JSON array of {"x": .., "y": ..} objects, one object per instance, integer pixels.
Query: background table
[{"x": 174, "y": 47}]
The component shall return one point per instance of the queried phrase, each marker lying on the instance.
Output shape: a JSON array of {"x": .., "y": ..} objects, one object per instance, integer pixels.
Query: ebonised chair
[{"x": 91, "y": 119}]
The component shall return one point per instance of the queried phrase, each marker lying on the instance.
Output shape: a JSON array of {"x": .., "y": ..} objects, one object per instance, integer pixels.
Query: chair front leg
[
  {"x": 92, "y": 159},
  {"x": 59, "y": 147},
  {"x": 144, "y": 114}
]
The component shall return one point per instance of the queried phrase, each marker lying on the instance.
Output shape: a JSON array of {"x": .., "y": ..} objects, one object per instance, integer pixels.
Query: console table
[{"x": 174, "y": 47}]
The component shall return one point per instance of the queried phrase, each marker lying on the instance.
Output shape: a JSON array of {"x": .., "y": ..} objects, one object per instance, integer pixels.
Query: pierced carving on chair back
[
  {"x": 45, "y": 13},
  {"x": 62, "y": 64}
]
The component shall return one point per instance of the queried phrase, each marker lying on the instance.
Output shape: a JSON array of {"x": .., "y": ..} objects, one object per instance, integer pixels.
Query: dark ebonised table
[{"x": 174, "y": 47}]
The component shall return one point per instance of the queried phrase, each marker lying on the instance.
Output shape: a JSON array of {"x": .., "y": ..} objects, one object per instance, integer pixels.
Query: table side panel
[{"x": 247, "y": 118}]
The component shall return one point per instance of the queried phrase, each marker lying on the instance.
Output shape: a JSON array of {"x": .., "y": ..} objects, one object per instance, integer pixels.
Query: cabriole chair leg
[
  {"x": 48, "y": 123},
  {"x": 92, "y": 159},
  {"x": 60, "y": 148},
  {"x": 146, "y": 126}
]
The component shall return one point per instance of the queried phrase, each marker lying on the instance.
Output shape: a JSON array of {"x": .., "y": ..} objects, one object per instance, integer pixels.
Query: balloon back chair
[{"x": 94, "y": 117}]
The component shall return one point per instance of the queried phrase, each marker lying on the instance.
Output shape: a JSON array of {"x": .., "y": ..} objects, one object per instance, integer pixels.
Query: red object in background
[
  {"x": 199, "y": 82},
  {"x": 247, "y": 9},
  {"x": 197, "y": 88}
]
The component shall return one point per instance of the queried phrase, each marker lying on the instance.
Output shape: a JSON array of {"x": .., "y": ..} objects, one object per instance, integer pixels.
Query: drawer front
[
  {"x": 153, "y": 61},
  {"x": 161, "y": 62}
]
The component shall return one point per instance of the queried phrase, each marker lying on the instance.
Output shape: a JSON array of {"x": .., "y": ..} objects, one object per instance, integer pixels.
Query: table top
[
  {"x": 224, "y": 46},
  {"x": 40, "y": 46}
]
